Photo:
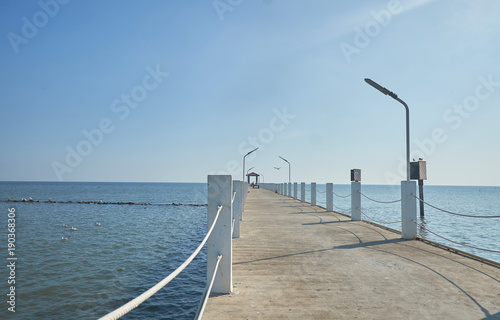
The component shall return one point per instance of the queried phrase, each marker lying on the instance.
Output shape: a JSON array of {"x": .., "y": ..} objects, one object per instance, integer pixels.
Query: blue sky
[{"x": 170, "y": 91}]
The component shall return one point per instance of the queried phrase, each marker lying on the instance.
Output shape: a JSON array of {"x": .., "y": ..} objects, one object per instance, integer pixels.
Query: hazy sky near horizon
[{"x": 170, "y": 91}]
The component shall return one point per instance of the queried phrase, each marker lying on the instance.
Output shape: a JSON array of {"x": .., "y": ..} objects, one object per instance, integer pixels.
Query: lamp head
[
  {"x": 380, "y": 88},
  {"x": 251, "y": 151},
  {"x": 283, "y": 159}
]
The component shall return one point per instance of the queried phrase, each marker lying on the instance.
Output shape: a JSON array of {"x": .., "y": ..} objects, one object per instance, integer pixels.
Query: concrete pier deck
[{"x": 296, "y": 261}]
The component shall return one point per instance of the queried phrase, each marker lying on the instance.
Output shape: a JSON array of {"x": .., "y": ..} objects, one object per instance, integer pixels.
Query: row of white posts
[
  {"x": 231, "y": 195},
  {"x": 408, "y": 201}
]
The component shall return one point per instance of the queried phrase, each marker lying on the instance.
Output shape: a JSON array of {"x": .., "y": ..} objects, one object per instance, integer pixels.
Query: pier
[{"x": 293, "y": 260}]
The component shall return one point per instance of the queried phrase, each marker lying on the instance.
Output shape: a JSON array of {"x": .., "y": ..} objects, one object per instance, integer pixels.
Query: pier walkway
[{"x": 296, "y": 261}]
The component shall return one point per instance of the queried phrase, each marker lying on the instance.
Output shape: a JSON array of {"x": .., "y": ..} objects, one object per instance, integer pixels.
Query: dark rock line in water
[{"x": 101, "y": 202}]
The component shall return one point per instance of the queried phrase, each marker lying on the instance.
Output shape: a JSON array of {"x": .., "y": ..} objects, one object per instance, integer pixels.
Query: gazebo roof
[{"x": 253, "y": 174}]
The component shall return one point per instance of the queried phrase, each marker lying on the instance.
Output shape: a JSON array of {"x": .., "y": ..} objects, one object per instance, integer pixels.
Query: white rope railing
[
  {"x": 377, "y": 221},
  {"x": 341, "y": 196},
  {"x": 462, "y": 244},
  {"x": 377, "y": 200},
  {"x": 345, "y": 210},
  {"x": 207, "y": 291},
  {"x": 132, "y": 304},
  {"x": 232, "y": 225},
  {"x": 454, "y": 213},
  {"x": 232, "y": 198}
]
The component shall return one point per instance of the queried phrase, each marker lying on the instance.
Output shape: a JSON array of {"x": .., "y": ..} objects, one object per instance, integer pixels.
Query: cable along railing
[
  {"x": 223, "y": 204},
  {"x": 423, "y": 227},
  {"x": 134, "y": 303},
  {"x": 408, "y": 202}
]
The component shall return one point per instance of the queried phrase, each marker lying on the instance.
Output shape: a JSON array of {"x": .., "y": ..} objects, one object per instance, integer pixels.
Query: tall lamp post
[
  {"x": 244, "y": 162},
  {"x": 408, "y": 188},
  {"x": 289, "y": 169},
  {"x": 395, "y": 96}
]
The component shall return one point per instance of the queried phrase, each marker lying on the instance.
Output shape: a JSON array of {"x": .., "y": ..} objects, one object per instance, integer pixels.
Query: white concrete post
[
  {"x": 329, "y": 197},
  {"x": 290, "y": 189},
  {"x": 313, "y": 193},
  {"x": 237, "y": 207},
  {"x": 356, "y": 201},
  {"x": 303, "y": 192},
  {"x": 295, "y": 190},
  {"x": 408, "y": 209},
  {"x": 244, "y": 193},
  {"x": 220, "y": 241}
]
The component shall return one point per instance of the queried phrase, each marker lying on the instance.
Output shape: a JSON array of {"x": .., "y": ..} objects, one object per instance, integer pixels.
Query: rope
[
  {"x": 340, "y": 208},
  {"x": 382, "y": 222},
  {"x": 457, "y": 214},
  {"x": 234, "y": 196},
  {"x": 232, "y": 226},
  {"x": 377, "y": 200},
  {"x": 208, "y": 289},
  {"x": 132, "y": 304},
  {"x": 320, "y": 191},
  {"x": 341, "y": 196},
  {"x": 462, "y": 244}
]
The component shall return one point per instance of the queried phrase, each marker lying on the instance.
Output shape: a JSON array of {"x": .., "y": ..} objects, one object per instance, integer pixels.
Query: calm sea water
[{"x": 99, "y": 268}]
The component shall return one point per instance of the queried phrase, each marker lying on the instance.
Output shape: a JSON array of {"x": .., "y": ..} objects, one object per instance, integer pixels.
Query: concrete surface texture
[{"x": 296, "y": 261}]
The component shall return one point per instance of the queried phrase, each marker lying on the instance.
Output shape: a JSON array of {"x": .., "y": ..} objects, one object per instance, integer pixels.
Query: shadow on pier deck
[{"x": 296, "y": 261}]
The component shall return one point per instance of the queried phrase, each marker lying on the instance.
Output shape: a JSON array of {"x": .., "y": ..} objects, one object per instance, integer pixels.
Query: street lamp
[
  {"x": 289, "y": 168},
  {"x": 395, "y": 96},
  {"x": 244, "y": 162},
  {"x": 250, "y": 169}
]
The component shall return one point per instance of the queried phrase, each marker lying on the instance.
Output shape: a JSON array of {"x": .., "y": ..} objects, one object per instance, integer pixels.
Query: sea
[{"x": 129, "y": 236}]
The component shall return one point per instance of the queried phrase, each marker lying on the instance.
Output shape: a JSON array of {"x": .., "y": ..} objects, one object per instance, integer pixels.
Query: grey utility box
[
  {"x": 418, "y": 170},
  {"x": 356, "y": 175}
]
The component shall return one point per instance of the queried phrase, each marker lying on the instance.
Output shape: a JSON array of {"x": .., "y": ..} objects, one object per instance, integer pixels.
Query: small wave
[{"x": 130, "y": 203}]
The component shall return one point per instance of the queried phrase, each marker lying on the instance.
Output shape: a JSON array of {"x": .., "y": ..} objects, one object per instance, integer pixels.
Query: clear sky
[{"x": 171, "y": 91}]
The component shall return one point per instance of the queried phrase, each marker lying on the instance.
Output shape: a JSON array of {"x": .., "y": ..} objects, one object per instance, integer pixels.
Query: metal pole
[
  {"x": 289, "y": 169},
  {"x": 407, "y": 138},
  {"x": 421, "y": 196},
  {"x": 395, "y": 96},
  {"x": 244, "y": 162},
  {"x": 289, "y": 172}
]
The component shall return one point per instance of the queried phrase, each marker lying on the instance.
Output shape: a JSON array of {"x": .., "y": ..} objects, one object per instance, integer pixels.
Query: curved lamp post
[
  {"x": 408, "y": 188},
  {"x": 289, "y": 169},
  {"x": 395, "y": 96},
  {"x": 244, "y": 162}
]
